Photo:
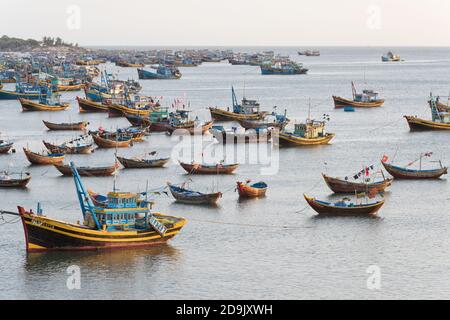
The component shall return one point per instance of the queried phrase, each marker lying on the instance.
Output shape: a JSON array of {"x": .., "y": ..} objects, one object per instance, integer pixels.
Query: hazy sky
[{"x": 232, "y": 22}]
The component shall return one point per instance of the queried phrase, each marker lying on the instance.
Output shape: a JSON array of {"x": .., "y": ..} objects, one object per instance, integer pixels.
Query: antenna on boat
[{"x": 309, "y": 109}]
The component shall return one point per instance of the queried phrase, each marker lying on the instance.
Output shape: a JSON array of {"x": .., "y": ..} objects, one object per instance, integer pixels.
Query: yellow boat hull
[
  {"x": 417, "y": 124},
  {"x": 223, "y": 115},
  {"x": 286, "y": 139},
  {"x": 28, "y": 105}
]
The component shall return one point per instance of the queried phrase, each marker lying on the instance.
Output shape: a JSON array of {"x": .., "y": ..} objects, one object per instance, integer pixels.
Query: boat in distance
[
  {"x": 344, "y": 186},
  {"x": 43, "y": 158},
  {"x": 66, "y": 126},
  {"x": 142, "y": 163},
  {"x": 184, "y": 195},
  {"x": 342, "y": 208},
  {"x": 89, "y": 171},
  {"x": 219, "y": 168},
  {"x": 405, "y": 173},
  {"x": 14, "y": 180}
]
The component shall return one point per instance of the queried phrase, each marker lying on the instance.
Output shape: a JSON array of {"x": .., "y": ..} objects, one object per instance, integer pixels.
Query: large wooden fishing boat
[
  {"x": 142, "y": 163},
  {"x": 198, "y": 168},
  {"x": 162, "y": 72},
  {"x": 418, "y": 124},
  {"x": 66, "y": 170},
  {"x": 5, "y": 146},
  {"x": 262, "y": 124},
  {"x": 66, "y": 126},
  {"x": 125, "y": 221},
  {"x": 184, "y": 195},
  {"x": 75, "y": 146},
  {"x": 246, "y": 110},
  {"x": 86, "y": 105},
  {"x": 342, "y": 208},
  {"x": 366, "y": 99},
  {"x": 17, "y": 180},
  {"x": 305, "y": 134},
  {"x": 25, "y": 91},
  {"x": 28, "y": 105},
  {"x": 43, "y": 158},
  {"x": 390, "y": 57},
  {"x": 154, "y": 123},
  {"x": 119, "y": 110},
  {"x": 440, "y": 120},
  {"x": 118, "y": 142},
  {"x": 405, "y": 173},
  {"x": 344, "y": 186},
  {"x": 251, "y": 190}
]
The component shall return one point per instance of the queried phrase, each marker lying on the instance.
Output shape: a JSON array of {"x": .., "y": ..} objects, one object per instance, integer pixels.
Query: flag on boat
[{"x": 385, "y": 158}]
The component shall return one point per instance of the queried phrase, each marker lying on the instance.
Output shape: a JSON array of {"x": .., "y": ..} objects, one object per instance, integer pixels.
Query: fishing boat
[
  {"x": 251, "y": 190},
  {"x": 309, "y": 53},
  {"x": 107, "y": 142},
  {"x": 24, "y": 90},
  {"x": 142, "y": 163},
  {"x": 80, "y": 145},
  {"x": 192, "y": 127},
  {"x": 86, "y": 105},
  {"x": 156, "y": 121},
  {"x": 120, "y": 110},
  {"x": 390, "y": 57},
  {"x": 366, "y": 99},
  {"x": 240, "y": 135},
  {"x": 89, "y": 171},
  {"x": 14, "y": 180},
  {"x": 405, "y": 173},
  {"x": 49, "y": 102},
  {"x": 199, "y": 168},
  {"x": 440, "y": 120},
  {"x": 68, "y": 84},
  {"x": 272, "y": 121},
  {"x": 135, "y": 133},
  {"x": 5, "y": 146},
  {"x": 338, "y": 185},
  {"x": 282, "y": 68},
  {"x": 441, "y": 107},
  {"x": 162, "y": 72},
  {"x": 183, "y": 195},
  {"x": 66, "y": 126},
  {"x": 310, "y": 133},
  {"x": 344, "y": 207},
  {"x": 246, "y": 110},
  {"x": 125, "y": 221},
  {"x": 43, "y": 158}
]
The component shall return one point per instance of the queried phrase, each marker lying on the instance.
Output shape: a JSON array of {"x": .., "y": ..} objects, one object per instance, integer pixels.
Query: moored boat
[
  {"x": 14, "y": 180},
  {"x": 199, "y": 168},
  {"x": 440, "y": 120},
  {"x": 125, "y": 221},
  {"x": 404, "y": 173},
  {"x": 43, "y": 158},
  {"x": 366, "y": 99},
  {"x": 86, "y": 105},
  {"x": 183, "y": 195},
  {"x": 142, "y": 163},
  {"x": 338, "y": 185},
  {"x": 80, "y": 145},
  {"x": 235, "y": 135},
  {"x": 390, "y": 57},
  {"x": 343, "y": 207},
  {"x": 162, "y": 72},
  {"x": 310, "y": 133},
  {"x": 247, "y": 110},
  {"x": 251, "y": 190},
  {"x": 25, "y": 91},
  {"x": 5, "y": 146},
  {"x": 87, "y": 171},
  {"x": 66, "y": 126},
  {"x": 116, "y": 142},
  {"x": 193, "y": 127}
]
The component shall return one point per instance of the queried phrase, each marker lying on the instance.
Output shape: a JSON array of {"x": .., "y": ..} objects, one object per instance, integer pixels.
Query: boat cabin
[
  {"x": 366, "y": 96},
  {"x": 122, "y": 210},
  {"x": 310, "y": 130},
  {"x": 249, "y": 106}
]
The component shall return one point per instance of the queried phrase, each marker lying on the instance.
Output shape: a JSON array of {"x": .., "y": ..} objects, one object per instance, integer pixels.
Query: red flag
[
  {"x": 385, "y": 158},
  {"x": 367, "y": 171}
]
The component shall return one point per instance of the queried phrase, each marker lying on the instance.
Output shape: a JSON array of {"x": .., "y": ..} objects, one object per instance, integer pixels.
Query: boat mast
[{"x": 83, "y": 196}]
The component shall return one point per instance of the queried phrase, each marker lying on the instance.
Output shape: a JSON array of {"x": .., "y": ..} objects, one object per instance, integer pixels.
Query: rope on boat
[
  {"x": 247, "y": 224},
  {"x": 3, "y": 221}
]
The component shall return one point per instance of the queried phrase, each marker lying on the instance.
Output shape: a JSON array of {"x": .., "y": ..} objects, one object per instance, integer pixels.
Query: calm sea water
[{"x": 270, "y": 248}]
